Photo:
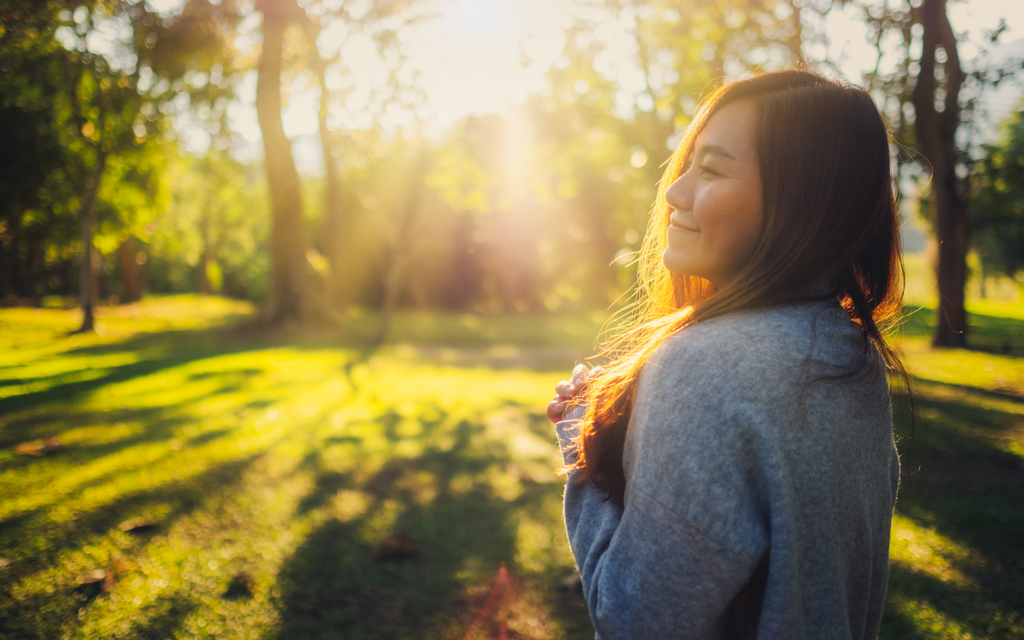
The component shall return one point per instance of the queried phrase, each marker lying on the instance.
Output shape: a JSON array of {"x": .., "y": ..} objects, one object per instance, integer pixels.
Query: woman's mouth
[{"x": 678, "y": 226}]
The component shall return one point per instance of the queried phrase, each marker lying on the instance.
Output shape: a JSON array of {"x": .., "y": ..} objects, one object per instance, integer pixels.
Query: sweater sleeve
[{"x": 692, "y": 531}]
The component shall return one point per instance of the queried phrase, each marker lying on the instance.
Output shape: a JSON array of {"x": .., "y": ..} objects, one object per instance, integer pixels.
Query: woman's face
[{"x": 716, "y": 205}]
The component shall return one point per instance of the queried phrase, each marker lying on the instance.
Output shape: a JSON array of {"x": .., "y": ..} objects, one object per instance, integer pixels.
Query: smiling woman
[{"x": 732, "y": 474}]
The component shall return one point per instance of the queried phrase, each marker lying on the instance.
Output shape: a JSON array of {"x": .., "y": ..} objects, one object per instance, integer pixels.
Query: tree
[
  {"x": 295, "y": 296},
  {"x": 105, "y": 104},
  {"x": 936, "y": 100},
  {"x": 939, "y": 93},
  {"x": 208, "y": 236},
  {"x": 291, "y": 297},
  {"x": 997, "y": 200},
  {"x": 89, "y": 99},
  {"x": 605, "y": 139},
  {"x": 103, "y": 112},
  {"x": 35, "y": 143}
]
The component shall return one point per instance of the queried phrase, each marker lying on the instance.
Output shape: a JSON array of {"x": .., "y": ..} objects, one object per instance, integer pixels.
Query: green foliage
[
  {"x": 37, "y": 168},
  {"x": 71, "y": 103},
  {"x": 218, "y": 209},
  {"x": 997, "y": 200}
]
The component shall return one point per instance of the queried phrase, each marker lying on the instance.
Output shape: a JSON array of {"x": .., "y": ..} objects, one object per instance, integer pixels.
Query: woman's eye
[{"x": 706, "y": 170}]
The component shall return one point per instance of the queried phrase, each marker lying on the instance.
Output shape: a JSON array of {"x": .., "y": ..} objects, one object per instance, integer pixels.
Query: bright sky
[{"x": 479, "y": 56}]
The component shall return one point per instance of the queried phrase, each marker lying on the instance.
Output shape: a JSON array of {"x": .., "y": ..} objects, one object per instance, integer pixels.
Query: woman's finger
[
  {"x": 580, "y": 375},
  {"x": 565, "y": 389},
  {"x": 556, "y": 408}
]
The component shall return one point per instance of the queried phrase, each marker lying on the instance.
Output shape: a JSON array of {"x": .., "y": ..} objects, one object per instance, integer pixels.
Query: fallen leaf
[
  {"x": 95, "y": 582},
  {"x": 38, "y": 447},
  {"x": 399, "y": 546},
  {"x": 138, "y": 525},
  {"x": 119, "y": 564},
  {"x": 92, "y": 577},
  {"x": 494, "y": 614}
]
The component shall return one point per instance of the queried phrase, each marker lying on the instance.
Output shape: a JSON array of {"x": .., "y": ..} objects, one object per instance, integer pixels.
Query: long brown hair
[{"x": 829, "y": 217}]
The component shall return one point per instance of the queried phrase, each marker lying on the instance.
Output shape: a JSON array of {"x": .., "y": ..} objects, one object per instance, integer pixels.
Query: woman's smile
[{"x": 675, "y": 225}]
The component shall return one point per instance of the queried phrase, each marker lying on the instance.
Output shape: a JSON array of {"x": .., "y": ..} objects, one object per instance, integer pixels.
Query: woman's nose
[{"x": 677, "y": 195}]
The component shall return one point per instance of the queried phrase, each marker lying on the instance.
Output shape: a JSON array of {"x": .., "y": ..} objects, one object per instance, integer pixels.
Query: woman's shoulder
[{"x": 746, "y": 344}]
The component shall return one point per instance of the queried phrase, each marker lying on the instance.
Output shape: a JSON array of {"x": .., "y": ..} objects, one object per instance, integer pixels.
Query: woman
[{"x": 732, "y": 473}]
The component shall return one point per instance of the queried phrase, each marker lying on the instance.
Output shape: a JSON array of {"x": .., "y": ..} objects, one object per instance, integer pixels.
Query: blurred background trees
[
  {"x": 997, "y": 202},
  {"x": 94, "y": 77},
  {"x": 537, "y": 208}
]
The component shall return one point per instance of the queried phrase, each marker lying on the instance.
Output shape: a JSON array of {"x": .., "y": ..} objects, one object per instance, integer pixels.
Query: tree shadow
[
  {"x": 161, "y": 425},
  {"x": 177, "y": 498},
  {"x": 335, "y": 584},
  {"x": 169, "y": 353},
  {"x": 163, "y": 619},
  {"x": 962, "y": 483},
  {"x": 326, "y": 485}
]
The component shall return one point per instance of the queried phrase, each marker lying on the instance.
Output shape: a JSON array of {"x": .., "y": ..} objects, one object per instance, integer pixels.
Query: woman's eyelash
[{"x": 706, "y": 169}]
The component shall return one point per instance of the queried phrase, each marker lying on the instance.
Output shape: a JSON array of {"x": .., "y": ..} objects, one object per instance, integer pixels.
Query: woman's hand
[{"x": 566, "y": 390}]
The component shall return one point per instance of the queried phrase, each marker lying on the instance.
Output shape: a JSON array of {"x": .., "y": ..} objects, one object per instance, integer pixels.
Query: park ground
[{"x": 207, "y": 481}]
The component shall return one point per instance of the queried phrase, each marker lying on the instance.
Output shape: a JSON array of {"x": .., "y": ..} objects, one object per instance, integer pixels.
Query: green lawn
[{"x": 271, "y": 468}]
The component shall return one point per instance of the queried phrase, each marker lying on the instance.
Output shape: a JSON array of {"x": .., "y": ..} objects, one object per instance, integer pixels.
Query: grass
[
  {"x": 272, "y": 468},
  {"x": 957, "y": 564}
]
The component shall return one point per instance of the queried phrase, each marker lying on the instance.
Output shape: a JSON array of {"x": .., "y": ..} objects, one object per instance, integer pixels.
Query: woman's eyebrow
[{"x": 716, "y": 150}]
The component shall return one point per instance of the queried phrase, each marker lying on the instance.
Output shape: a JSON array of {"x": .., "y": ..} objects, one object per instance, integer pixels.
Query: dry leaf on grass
[
  {"x": 95, "y": 582},
  {"x": 138, "y": 525},
  {"x": 492, "y": 621},
  {"x": 38, "y": 447}
]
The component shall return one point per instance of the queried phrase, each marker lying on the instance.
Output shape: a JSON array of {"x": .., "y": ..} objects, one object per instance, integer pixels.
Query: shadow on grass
[
  {"x": 334, "y": 586},
  {"x": 169, "y": 350},
  {"x": 181, "y": 496},
  {"x": 159, "y": 427},
  {"x": 991, "y": 334},
  {"x": 962, "y": 482},
  {"x": 164, "y": 621},
  {"x": 178, "y": 498}
]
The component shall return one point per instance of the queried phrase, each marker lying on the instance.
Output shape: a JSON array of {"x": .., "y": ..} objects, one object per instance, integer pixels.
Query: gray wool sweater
[{"x": 760, "y": 486}]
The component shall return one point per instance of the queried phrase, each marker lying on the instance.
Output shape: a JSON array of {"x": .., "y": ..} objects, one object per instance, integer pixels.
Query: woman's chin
[{"x": 678, "y": 262}]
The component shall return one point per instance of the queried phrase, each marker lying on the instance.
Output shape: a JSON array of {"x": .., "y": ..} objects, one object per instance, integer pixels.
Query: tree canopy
[
  {"x": 541, "y": 207},
  {"x": 997, "y": 200}
]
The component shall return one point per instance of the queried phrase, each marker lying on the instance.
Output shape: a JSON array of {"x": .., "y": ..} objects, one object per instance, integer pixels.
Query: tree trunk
[
  {"x": 291, "y": 298},
  {"x": 85, "y": 274},
  {"x": 13, "y": 272},
  {"x": 21, "y": 261},
  {"x": 936, "y": 135},
  {"x": 334, "y": 220},
  {"x": 392, "y": 288},
  {"x": 131, "y": 284},
  {"x": 403, "y": 245},
  {"x": 33, "y": 268}
]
